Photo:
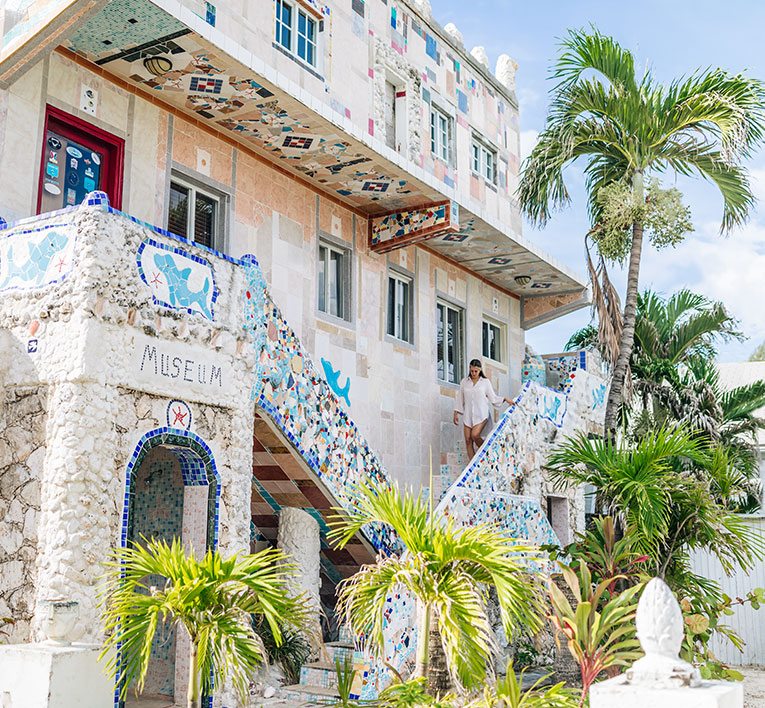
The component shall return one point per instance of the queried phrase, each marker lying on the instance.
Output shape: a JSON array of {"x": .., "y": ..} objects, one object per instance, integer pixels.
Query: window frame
[
  {"x": 407, "y": 279},
  {"x": 346, "y": 274},
  {"x": 459, "y": 363},
  {"x": 216, "y": 237},
  {"x": 445, "y": 134},
  {"x": 481, "y": 154},
  {"x": 209, "y": 188},
  {"x": 500, "y": 340},
  {"x": 297, "y": 11}
]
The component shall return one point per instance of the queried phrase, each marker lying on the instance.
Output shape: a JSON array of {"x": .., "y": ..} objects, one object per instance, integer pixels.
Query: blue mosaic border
[{"x": 185, "y": 254}]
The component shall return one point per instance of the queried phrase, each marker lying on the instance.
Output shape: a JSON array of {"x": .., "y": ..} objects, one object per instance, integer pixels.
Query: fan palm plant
[
  {"x": 627, "y": 129},
  {"x": 212, "y": 598},
  {"x": 448, "y": 570}
]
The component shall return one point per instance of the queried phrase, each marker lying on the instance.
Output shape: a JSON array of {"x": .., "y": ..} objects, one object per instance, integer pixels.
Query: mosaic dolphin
[
  {"x": 40, "y": 256},
  {"x": 177, "y": 283},
  {"x": 333, "y": 378}
]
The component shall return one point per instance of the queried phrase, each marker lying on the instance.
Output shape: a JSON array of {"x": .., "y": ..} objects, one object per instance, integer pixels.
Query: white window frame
[
  {"x": 442, "y": 357},
  {"x": 216, "y": 237},
  {"x": 296, "y": 11},
  {"x": 500, "y": 339},
  {"x": 401, "y": 332},
  {"x": 344, "y": 273},
  {"x": 441, "y": 132},
  {"x": 483, "y": 160}
]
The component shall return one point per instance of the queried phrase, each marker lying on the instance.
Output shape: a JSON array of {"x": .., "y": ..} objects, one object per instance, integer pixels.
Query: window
[
  {"x": 77, "y": 158},
  {"x": 484, "y": 161},
  {"x": 334, "y": 281},
  {"x": 492, "y": 341},
  {"x": 440, "y": 134},
  {"x": 400, "y": 307},
  {"x": 449, "y": 343},
  {"x": 194, "y": 214},
  {"x": 300, "y": 40}
]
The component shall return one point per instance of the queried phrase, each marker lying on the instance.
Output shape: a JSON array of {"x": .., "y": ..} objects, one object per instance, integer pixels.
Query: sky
[{"x": 672, "y": 39}]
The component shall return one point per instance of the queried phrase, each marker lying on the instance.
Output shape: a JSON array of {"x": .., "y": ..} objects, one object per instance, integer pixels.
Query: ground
[{"x": 754, "y": 686}]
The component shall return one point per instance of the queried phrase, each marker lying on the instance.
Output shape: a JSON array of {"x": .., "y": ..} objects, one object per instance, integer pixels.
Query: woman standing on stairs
[{"x": 476, "y": 392}]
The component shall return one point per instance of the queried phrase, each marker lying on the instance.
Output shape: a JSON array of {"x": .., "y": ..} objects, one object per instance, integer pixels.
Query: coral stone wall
[{"x": 22, "y": 449}]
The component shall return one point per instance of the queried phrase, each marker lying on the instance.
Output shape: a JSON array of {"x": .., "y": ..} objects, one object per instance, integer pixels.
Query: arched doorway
[{"x": 172, "y": 490}]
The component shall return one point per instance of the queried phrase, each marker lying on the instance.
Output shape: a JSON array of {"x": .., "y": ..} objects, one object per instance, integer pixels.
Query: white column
[{"x": 299, "y": 538}]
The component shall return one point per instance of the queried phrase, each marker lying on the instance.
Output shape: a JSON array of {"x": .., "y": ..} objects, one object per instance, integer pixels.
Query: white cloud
[{"x": 528, "y": 141}]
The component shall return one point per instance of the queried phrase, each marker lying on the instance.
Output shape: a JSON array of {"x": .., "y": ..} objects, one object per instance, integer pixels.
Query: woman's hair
[{"x": 477, "y": 362}]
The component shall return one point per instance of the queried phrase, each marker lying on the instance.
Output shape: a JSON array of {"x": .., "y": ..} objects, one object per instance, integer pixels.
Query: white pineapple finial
[{"x": 659, "y": 623}]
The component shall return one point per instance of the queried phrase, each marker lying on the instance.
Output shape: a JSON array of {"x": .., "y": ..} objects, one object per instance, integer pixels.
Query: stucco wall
[{"x": 402, "y": 408}]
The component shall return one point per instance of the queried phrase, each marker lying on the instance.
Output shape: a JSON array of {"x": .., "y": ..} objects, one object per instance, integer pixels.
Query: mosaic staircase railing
[{"x": 300, "y": 402}]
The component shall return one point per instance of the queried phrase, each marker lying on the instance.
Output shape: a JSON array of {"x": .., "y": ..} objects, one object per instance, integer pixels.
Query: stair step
[
  {"x": 311, "y": 694},
  {"x": 340, "y": 650},
  {"x": 346, "y": 635},
  {"x": 319, "y": 674}
]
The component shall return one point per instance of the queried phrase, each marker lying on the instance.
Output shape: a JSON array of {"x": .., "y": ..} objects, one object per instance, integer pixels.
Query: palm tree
[
  {"x": 662, "y": 489},
  {"x": 627, "y": 129},
  {"x": 448, "y": 570},
  {"x": 213, "y": 599}
]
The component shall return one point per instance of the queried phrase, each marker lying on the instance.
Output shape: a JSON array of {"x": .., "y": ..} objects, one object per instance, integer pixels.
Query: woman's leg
[
  {"x": 469, "y": 441},
  {"x": 475, "y": 434}
]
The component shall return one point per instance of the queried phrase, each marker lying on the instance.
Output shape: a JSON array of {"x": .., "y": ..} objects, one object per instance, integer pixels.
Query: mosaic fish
[
  {"x": 40, "y": 256},
  {"x": 177, "y": 281},
  {"x": 333, "y": 378}
]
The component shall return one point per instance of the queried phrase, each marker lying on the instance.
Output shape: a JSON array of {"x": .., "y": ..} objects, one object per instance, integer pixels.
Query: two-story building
[{"x": 363, "y": 156}]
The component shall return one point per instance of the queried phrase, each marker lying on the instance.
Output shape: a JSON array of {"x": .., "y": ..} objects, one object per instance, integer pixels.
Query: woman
[{"x": 473, "y": 400}]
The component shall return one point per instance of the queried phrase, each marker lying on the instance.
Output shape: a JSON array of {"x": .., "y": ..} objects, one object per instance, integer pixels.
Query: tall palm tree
[
  {"x": 212, "y": 598},
  {"x": 448, "y": 570},
  {"x": 627, "y": 128}
]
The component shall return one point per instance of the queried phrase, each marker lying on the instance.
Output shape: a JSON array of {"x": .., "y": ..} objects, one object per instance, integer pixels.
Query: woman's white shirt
[{"x": 473, "y": 400}]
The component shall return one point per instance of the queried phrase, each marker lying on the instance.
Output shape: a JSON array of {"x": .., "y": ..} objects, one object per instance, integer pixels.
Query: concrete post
[
  {"x": 661, "y": 679},
  {"x": 299, "y": 538}
]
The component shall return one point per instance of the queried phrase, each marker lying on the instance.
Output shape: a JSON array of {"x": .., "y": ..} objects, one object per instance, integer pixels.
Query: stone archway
[{"x": 172, "y": 490}]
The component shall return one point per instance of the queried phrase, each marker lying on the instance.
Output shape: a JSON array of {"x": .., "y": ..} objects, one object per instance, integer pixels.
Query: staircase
[
  {"x": 318, "y": 680},
  {"x": 299, "y": 401}
]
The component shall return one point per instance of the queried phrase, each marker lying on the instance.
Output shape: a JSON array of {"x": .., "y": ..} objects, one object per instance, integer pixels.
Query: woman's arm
[{"x": 459, "y": 403}]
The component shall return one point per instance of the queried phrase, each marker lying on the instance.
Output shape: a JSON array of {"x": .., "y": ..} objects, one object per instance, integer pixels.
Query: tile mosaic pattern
[
  {"x": 533, "y": 368},
  {"x": 177, "y": 278},
  {"x": 31, "y": 258},
  {"x": 290, "y": 389},
  {"x": 410, "y": 226}
]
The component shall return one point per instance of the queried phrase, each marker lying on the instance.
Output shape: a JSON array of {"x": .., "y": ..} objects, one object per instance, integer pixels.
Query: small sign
[
  {"x": 32, "y": 346},
  {"x": 495, "y": 306}
]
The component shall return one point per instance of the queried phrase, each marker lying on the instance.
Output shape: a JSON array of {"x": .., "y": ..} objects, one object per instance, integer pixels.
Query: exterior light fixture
[
  {"x": 158, "y": 66},
  {"x": 522, "y": 279}
]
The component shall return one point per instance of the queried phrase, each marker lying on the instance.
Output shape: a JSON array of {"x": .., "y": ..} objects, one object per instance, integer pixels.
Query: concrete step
[
  {"x": 319, "y": 673},
  {"x": 311, "y": 694},
  {"x": 339, "y": 650}
]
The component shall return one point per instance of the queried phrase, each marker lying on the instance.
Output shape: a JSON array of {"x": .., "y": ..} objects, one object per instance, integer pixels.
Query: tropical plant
[
  {"x": 627, "y": 129},
  {"x": 510, "y": 693},
  {"x": 702, "y": 621},
  {"x": 661, "y": 488},
  {"x": 213, "y": 599},
  {"x": 758, "y": 354},
  {"x": 5, "y": 621},
  {"x": 412, "y": 694},
  {"x": 599, "y": 629},
  {"x": 448, "y": 570},
  {"x": 290, "y": 652}
]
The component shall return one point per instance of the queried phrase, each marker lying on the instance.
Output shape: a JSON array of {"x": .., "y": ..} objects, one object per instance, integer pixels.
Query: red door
[{"x": 77, "y": 158}]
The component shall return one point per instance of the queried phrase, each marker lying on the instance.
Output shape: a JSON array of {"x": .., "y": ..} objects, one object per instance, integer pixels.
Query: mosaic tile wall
[
  {"x": 158, "y": 514},
  {"x": 297, "y": 397},
  {"x": 404, "y": 225}
]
